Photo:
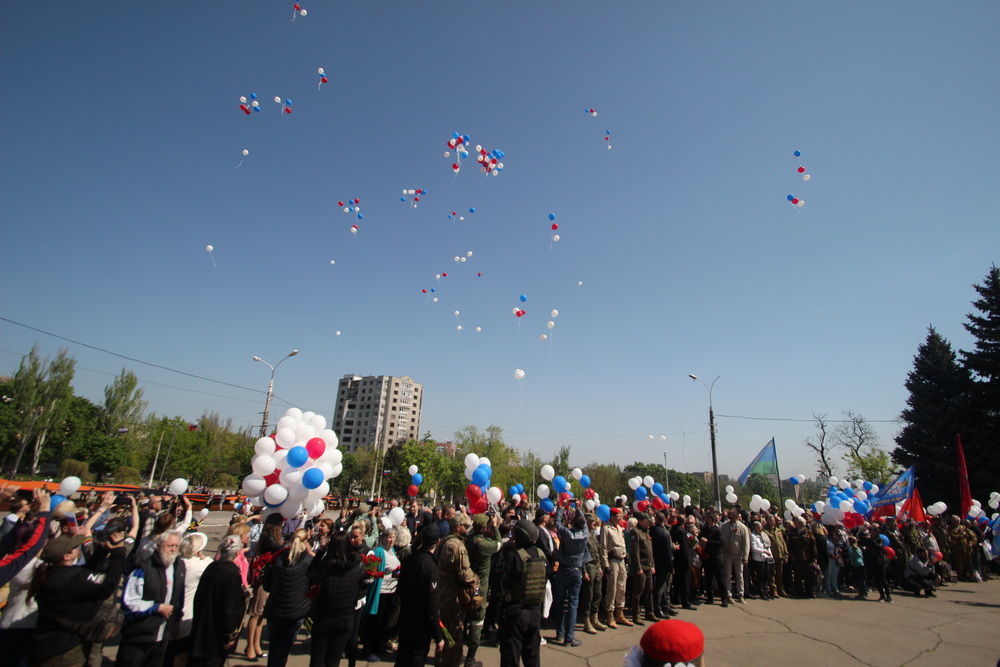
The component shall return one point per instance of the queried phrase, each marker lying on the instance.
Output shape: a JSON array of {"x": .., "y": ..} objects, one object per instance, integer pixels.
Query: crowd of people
[{"x": 364, "y": 586}]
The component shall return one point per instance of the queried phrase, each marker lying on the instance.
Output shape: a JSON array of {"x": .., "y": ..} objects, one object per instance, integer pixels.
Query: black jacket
[
  {"x": 663, "y": 548},
  {"x": 219, "y": 606},
  {"x": 287, "y": 585},
  {"x": 341, "y": 585},
  {"x": 418, "y": 594},
  {"x": 143, "y": 625}
]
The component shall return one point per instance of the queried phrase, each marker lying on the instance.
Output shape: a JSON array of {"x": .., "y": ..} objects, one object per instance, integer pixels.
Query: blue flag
[
  {"x": 900, "y": 488},
  {"x": 765, "y": 463}
]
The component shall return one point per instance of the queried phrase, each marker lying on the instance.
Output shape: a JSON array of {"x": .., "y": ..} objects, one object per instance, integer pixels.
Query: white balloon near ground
[{"x": 397, "y": 516}]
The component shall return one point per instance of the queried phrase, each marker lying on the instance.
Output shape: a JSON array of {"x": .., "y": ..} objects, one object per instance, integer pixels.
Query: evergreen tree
[
  {"x": 981, "y": 439},
  {"x": 937, "y": 410}
]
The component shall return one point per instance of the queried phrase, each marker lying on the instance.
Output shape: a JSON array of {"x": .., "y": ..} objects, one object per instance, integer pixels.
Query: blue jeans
[
  {"x": 566, "y": 591},
  {"x": 832, "y": 577}
]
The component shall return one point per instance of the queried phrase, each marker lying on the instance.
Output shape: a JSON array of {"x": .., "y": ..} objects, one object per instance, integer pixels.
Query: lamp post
[
  {"x": 711, "y": 428},
  {"x": 270, "y": 389}
]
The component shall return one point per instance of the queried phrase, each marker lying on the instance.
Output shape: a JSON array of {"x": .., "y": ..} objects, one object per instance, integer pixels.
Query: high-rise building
[{"x": 377, "y": 411}]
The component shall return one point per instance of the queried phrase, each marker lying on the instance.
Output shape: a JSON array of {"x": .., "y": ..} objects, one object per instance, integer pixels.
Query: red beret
[
  {"x": 673, "y": 641},
  {"x": 616, "y": 510}
]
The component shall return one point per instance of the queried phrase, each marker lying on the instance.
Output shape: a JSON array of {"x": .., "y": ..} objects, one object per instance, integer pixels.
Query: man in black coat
[
  {"x": 663, "y": 562},
  {"x": 682, "y": 562},
  {"x": 153, "y": 602},
  {"x": 418, "y": 602},
  {"x": 219, "y": 606}
]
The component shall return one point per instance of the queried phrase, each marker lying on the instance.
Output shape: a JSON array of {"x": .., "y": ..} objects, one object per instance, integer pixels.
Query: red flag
[
  {"x": 964, "y": 493},
  {"x": 912, "y": 509}
]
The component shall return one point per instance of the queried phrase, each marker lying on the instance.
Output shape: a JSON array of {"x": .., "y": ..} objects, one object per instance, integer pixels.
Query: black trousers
[
  {"x": 520, "y": 636},
  {"x": 713, "y": 580},
  {"x": 141, "y": 654},
  {"x": 414, "y": 643},
  {"x": 330, "y": 639},
  {"x": 682, "y": 583},
  {"x": 661, "y": 588}
]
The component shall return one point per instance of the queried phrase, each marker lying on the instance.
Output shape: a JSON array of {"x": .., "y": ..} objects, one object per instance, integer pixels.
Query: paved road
[{"x": 959, "y": 627}]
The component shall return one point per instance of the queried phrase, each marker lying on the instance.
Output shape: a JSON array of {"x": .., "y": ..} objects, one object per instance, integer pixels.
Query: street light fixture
[
  {"x": 711, "y": 428},
  {"x": 270, "y": 388}
]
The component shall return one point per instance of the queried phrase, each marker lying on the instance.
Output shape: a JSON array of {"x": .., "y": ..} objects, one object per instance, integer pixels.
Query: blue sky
[{"x": 122, "y": 132}]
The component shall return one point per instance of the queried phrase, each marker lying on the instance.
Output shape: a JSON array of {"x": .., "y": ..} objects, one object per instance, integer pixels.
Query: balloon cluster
[
  {"x": 758, "y": 504},
  {"x": 795, "y": 201},
  {"x": 462, "y": 260},
  {"x": 458, "y": 142},
  {"x": 460, "y": 217},
  {"x": 286, "y": 105},
  {"x": 649, "y": 492},
  {"x": 516, "y": 493},
  {"x": 413, "y": 193},
  {"x": 351, "y": 206},
  {"x": 252, "y": 104},
  {"x": 607, "y": 138},
  {"x": 292, "y": 466},
  {"x": 298, "y": 11},
  {"x": 479, "y": 472},
  {"x": 592, "y": 112},
  {"x": 845, "y": 504},
  {"x": 937, "y": 509},
  {"x": 490, "y": 162},
  {"x": 322, "y": 78},
  {"x": 801, "y": 169},
  {"x": 995, "y": 500},
  {"x": 416, "y": 479},
  {"x": 554, "y": 226}
]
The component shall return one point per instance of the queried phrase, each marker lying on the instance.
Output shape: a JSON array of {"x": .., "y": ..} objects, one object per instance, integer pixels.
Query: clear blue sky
[{"x": 121, "y": 132}]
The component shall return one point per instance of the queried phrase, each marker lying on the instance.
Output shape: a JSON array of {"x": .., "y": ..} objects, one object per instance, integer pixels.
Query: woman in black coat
[
  {"x": 219, "y": 606},
  {"x": 287, "y": 582},
  {"x": 342, "y": 585}
]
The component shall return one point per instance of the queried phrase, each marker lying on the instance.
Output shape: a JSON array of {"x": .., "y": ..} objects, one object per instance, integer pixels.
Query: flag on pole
[
  {"x": 900, "y": 488},
  {"x": 964, "y": 492},
  {"x": 765, "y": 463},
  {"x": 912, "y": 509}
]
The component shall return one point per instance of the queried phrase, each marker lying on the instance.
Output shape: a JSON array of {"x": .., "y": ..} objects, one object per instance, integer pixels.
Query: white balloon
[
  {"x": 647, "y": 481},
  {"x": 589, "y": 504},
  {"x": 290, "y": 422},
  {"x": 71, "y": 485},
  {"x": 297, "y": 493},
  {"x": 577, "y": 474},
  {"x": 730, "y": 497},
  {"x": 397, "y": 516},
  {"x": 285, "y": 437},
  {"x": 209, "y": 248},
  {"x": 277, "y": 100},
  {"x": 634, "y": 483},
  {"x": 861, "y": 495},
  {"x": 245, "y": 153},
  {"x": 543, "y": 491},
  {"x": 263, "y": 464},
  {"x": 765, "y": 504},
  {"x": 243, "y": 99},
  {"x": 789, "y": 503},
  {"x": 304, "y": 434},
  {"x": 203, "y": 513},
  {"x": 554, "y": 314},
  {"x": 686, "y": 500},
  {"x": 516, "y": 499},
  {"x": 291, "y": 476},
  {"x": 303, "y": 12},
  {"x": 548, "y": 472},
  {"x": 318, "y": 422},
  {"x": 494, "y": 495},
  {"x": 275, "y": 494},
  {"x": 471, "y": 461},
  {"x": 264, "y": 446},
  {"x": 550, "y": 324},
  {"x": 321, "y": 71},
  {"x": 543, "y": 338},
  {"x": 834, "y": 481},
  {"x": 291, "y": 510},
  {"x": 483, "y": 461},
  {"x": 337, "y": 469},
  {"x": 729, "y": 489},
  {"x": 518, "y": 374},
  {"x": 335, "y": 456},
  {"x": 254, "y": 484},
  {"x": 555, "y": 237},
  {"x": 412, "y": 470},
  {"x": 329, "y": 437},
  {"x": 279, "y": 459}
]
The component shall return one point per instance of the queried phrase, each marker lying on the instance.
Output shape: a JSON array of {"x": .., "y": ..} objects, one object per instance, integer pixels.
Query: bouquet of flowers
[{"x": 372, "y": 565}]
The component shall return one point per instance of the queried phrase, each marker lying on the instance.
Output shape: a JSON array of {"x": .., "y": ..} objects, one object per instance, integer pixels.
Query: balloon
[
  {"x": 70, "y": 485},
  {"x": 546, "y": 505},
  {"x": 473, "y": 492},
  {"x": 860, "y": 507},
  {"x": 657, "y": 489},
  {"x": 285, "y": 437},
  {"x": 640, "y": 493},
  {"x": 274, "y": 495},
  {"x": 312, "y": 478},
  {"x": 264, "y": 446},
  {"x": 765, "y": 504},
  {"x": 412, "y": 490},
  {"x": 518, "y": 374},
  {"x": 209, "y": 248},
  {"x": 647, "y": 481},
  {"x": 585, "y": 481},
  {"x": 604, "y": 513},
  {"x": 494, "y": 495},
  {"x": 417, "y": 479},
  {"x": 890, "y": 553},
  {"x": 480, "y": 476},
  {"x": 552, "y": 216},
  {"x": 297, "y": 457},
  {"x": 577, "y": 474},
  {"x": 397, "y": 516},
  {"x": 315, "y": 447},
  {"x": 179, "y": 486},
  {"x": 731, "y": 498},
  {"x": 634, "y": 483},
  {"x": 548, "y": 472},
  {"x": 203, "y": 513},
  {"x": 523, "y": 297},
  {"x": 729, "y": 489},
  {"x": 254, "y": 485},
  {"x": 794, "y": 481},
  {"x": 471, "y": 461},
  {"x": 833, "y": 481},
  {"x": 559, "y": 483}
]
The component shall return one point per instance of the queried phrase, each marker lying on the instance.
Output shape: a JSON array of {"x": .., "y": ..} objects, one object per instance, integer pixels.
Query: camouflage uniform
[
  {"x": 780, "y": 552},
  {"x": 482, "y": 545},
  {"x": 454, "y": 574}
]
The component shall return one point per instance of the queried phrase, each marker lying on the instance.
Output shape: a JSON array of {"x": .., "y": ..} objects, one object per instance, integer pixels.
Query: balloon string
[
  {"x": 238, "y": 166},
  {"x": 521, "y": 382},
  {"x": 213, "y": 259}
]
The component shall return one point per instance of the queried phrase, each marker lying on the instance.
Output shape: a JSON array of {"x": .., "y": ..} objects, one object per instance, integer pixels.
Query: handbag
[{"x": 470, "y": 596}]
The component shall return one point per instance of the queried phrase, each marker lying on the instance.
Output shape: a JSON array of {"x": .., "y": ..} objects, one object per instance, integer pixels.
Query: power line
[
  {"x": 127, "y": 358},
  {"x": 813, "y": 420}
]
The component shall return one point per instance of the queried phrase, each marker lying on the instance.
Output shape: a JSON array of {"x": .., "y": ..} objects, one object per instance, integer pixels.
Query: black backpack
[{"x": 529, "y": 590}]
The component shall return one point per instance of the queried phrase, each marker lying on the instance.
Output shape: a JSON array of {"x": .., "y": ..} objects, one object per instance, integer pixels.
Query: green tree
[
  {"x": 936, "y": 410},
  {"x": 127, "y": 475},
  {"x": 122, "y": 417},
  {"x": 872, "y": 465},
  {"x": 761, "y": 485},
  {"x": 42, "y": 390},
  {"x": 981, "y": 436}
]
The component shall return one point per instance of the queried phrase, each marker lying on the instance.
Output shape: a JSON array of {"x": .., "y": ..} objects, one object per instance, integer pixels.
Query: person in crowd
[
  {"x": 613, "y": 554},
  {"x": 761, "y": 557},
  {"x": 240, "y": 529},
  {"x": 663, "y": 564},
  {"x": 418, "y": 599},
  {"x": 572, "y": 555},
  {"x": 919, "y": 575},
  {"x": 822, "y": 558},
  {"x": 18, "y": 508},
  {"x": 642, "y": 569},
  {"x": 523, "y": 573},
  {"x": 69, "y": 597},
  {"x": 20, "y": 615},
  {"x": 219, "y": 606},
  {"x": 779, "y": 551},
  {"x": 962, "y": 541},
  {"x": 668, "y": 643},
  {"x": 856, "y": 558},
  {"x": 286, "y": 580},
  {"x": 153, "y": 600},
  {"x": 445, "y": 521},
  {"x": 322, "y": 530},
  {"x": 382, "y": 602},
  {"x": 712, "y": 549},
  {"x": 195, "y": 562},
  {"x": 591, "y": 590},
  {"x": 875, "y": 563},
  {"x": 801, "y": 557},
  {"x": 340, "y": 576},
  {"x": 349, "y": 518},
  {"x": 483, "y": 543},
  {"x": 271, "y": 542},
  {"x": 455, "y": 575},
  {"x": 31, "y": 545},
  {"x": 150, "y": 510},
  {"x": 683, "y": 558},
  {"x": 735, "y": 554},
  {"x": 836, "y": 546}
]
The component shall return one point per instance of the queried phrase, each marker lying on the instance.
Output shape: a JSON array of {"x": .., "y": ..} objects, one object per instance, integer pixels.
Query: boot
[
  {"x": 470, "y": 659},
  {"x": 637, "y": 621},
  {"x": 588, "y": 626},
  {"x": 611, "y": 621},
  {"x": 596, "y": 622},
  {"x": 620, "y": 618}
]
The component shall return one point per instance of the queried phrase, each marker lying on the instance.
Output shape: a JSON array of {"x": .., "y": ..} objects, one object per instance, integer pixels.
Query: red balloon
[
  {"x": 589, "y": 494},
  {"x": 416, "y": 199},
  {"x": 938, "y": 556},
  {"x": 323, "y": 80},
  {"x": 795, "y": 200},
  {"x": 357, "y": 201},
  {"x": 473, "y": 493},
  {"x": 246, "y": 111},
  {"x": 444, "y": 275},
  {"x": 296, "y": 7},
  {"x": 272, "y": 478},
  {"x": 554, "y": 226},
  {"x": 288, "y": 110},
  {"x": 243, "y": 106},
  {"x": 890, "y": 553},
  {"x": 454, "y": 166},
  {"x": 340, "y": 203},
  {"x": 478, "y": 506},
  {"x": 412, "y": 490},
  {"x": 802, "y": 169},
  {"x": 424, "y": 291},
  {"x": 316, "y": 447}
]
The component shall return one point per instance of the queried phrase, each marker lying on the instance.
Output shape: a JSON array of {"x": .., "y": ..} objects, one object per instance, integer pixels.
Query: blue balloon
[
  {"x": 604, "y": 513},
  {"x": 657, "y": 489},
  {"x": 312, "y": 478},
  {"x": 867, "y": 486},
  {"x": 794, "y": 480},
  {"x": 288, "y": 103},
  {"x": 512, "y": 490},
  {"x": 455, "y": 135},
  {"x": 885, "y": 540},
  {"x": 790, "y": 197},
  {"x": 56, "y": 499},
  {"x": 665, "y": 498},
  {"x": 552, "y": 216},
  {"x": 253, "y": 96},
  {"x": 547, "y": 505},
  {"x": 520, "y": 488},
  {"x": 434, "y": 289},
  {"x": 402, "y": 199},
  {"x": 256, "y": 108},
  {"x": 860, "y": 507},
  {"x": 849, "y": 492},
  {"x": 472, "y": 210},
  {"x": 479, "y": 476},
  {"x": 465, "y": 138},
  {"x": 585, "y": 481},
  {"x": 640, "y": 493},
  {"x": 361, "y": 216},
  {"x": 524, "y": 297},
  {"x": 297, "y": 457},
  {"x": 798, "y": 153},
  {"x": 559, "y": 483},
  {"x": 417, "y": 479}
]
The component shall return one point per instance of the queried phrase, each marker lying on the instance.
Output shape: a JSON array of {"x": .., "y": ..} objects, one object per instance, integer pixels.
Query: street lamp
[
  {"x": 711, "y": 428},
  {"x": 270, "y": 389}
]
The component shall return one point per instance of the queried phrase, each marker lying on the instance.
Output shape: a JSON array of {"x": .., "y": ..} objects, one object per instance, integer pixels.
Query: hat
[
  {"x": 116, "y": 525},
  {"x": 672, "y": 641},
  {"x": 364, "y": 508},
  {"x": 143, "y": 502},
  {"x": 430, "y": 534},
  {"x": 524, "y": 533},
  {"x": 616, "y": 510},
  {"x": 198, "y": 541},
  {"x": 461, "y": 519},
  {"x": 641, "y": 516},
  {"x": 480, "y": 521},
  {"x": 58, "y": 547}
]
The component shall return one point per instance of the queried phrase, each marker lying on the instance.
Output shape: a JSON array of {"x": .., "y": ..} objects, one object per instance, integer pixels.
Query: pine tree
[
  {"x": 937, "y": 410},
  {"x": 981, "y": 438}
]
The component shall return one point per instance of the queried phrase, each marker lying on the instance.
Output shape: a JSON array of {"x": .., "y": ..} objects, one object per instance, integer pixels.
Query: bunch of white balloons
[{"x": 291, "y": 469}]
